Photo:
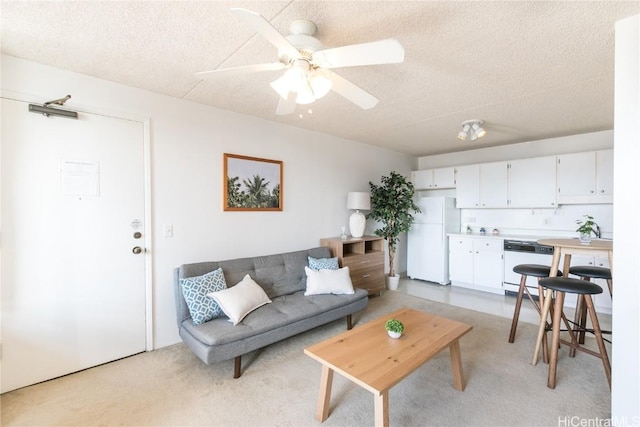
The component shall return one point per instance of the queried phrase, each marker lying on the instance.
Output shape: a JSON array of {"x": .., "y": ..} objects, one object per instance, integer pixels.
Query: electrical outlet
[
  {"x": 547, "y": 221},
  {"x": 168, "y": 230}
]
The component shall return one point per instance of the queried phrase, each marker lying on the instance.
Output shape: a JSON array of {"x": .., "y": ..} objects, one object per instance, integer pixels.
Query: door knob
[{"x": 137, "y": 250}]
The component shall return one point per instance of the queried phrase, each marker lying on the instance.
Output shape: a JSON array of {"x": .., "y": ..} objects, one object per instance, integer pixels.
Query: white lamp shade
[
  {"x": 305, "y": 95},
  {"x": 281, "y": 86},
  {"x": 320, "y": 84},
  {"x": 358, "y": 200}
]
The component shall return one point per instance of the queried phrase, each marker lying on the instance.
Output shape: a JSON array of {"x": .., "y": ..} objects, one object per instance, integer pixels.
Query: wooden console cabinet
[{"x": 365, "y": 258}]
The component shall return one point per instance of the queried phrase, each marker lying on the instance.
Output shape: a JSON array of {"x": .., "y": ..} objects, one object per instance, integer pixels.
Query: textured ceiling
[{"x": 529, "y": 69}]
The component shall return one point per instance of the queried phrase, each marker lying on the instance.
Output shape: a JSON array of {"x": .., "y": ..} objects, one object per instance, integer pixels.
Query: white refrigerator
[{"x": 428, "y": 244}]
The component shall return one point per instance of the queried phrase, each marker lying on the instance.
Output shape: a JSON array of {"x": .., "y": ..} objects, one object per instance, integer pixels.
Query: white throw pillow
[
  {"x": 328, "y": 281},
  {"x": 239, "y": 300}
]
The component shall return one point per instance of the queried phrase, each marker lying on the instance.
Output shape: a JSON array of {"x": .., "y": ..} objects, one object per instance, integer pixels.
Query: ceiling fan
[{"x": 308, "y": 64}]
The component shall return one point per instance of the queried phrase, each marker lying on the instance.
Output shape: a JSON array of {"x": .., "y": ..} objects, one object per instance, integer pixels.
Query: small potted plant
[
  {"x": 585, "y": 228},
  {"x": 394, "y": 328}
]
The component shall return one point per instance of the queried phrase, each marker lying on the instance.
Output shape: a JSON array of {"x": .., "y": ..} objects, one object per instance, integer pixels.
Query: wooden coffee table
[{"x": 370, "y": 358}]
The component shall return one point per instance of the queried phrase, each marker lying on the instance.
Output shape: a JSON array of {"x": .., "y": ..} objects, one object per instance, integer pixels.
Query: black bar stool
[
  {"x": 561, "y": 286},
  {"x": 588, "y": 272},
  {"x": 525, "y": 270}
]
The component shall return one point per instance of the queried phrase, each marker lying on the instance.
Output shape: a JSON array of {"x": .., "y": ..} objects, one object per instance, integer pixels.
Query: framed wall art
[{"x": 252, "y": 184}]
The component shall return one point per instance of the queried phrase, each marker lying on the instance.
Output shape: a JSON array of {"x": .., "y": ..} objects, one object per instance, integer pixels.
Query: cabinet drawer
[
  {"x": 493, "y": 245},
  {"x": 357, "y": 263},
  {"x": 463, "y": 244},
  {"x": 372, "y": 281}
]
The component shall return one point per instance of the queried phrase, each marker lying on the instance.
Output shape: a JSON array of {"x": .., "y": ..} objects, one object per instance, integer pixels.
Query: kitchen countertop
[{"x": 507, "y": 236}]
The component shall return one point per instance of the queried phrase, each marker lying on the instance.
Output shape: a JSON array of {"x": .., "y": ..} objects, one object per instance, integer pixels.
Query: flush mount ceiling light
[{"x": 472, "y": 130}]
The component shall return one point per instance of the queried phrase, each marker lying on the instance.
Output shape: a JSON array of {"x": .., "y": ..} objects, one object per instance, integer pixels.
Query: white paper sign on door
[{"x": 80, "y": 178}]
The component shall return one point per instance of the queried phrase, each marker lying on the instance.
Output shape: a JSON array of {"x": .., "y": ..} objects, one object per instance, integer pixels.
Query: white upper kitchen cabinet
[
  {"x": 604, "y": 175},
  {"x": 532, "y": 183},
  {"x": 432, "y": 179},
  {"x": 493, "y": 185},
  {"x": 468, "y": 186},
  {"x": 482, "y": 185},
  {"x": 585, "y": 177}
]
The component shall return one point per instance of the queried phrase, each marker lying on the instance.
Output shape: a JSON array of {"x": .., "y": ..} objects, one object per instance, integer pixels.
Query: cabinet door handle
[
  {"x": 602, "y": 191},
  {"x": 366, "y": 275},
  {"x": 365, "y": 261},
  {"x": 592, "y": 191}
]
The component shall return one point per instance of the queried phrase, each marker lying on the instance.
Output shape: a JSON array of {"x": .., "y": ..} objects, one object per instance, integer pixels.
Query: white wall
[
  {"x": 187, "y": 143},
  {"x": 626, "y": 246}
]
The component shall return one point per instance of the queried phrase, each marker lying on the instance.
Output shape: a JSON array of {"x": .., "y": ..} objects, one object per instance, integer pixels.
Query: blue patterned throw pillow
[
  {"x": 323, "y": 263},
  {"x": 195, "y": 290}
]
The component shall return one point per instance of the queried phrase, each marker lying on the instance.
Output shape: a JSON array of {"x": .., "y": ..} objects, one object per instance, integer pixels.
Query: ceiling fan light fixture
[
  {"x": 305, "y": 95},
  {"x": 320, "y": 83},
  {"x": 472, "y": 130},
  {"x": 296, "y": 77},
  {"x": 281, "y": 85}
]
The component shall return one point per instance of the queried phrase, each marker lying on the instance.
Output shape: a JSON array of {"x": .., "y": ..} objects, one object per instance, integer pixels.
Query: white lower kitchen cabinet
[{"x": 476, "y": 263}]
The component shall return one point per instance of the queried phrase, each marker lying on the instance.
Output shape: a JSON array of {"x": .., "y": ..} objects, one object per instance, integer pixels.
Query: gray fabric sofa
[{"x": 283, "y": 278}]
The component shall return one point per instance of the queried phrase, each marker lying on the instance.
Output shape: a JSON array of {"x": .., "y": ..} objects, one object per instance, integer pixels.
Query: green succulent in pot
[{"x": 394, "y": 325}]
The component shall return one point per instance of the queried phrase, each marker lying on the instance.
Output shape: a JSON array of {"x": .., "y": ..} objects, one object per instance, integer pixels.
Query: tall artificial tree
[{"x": 392, "y": 205}]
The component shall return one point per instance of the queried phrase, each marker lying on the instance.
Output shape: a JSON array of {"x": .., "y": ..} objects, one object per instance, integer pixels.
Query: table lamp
[{"x": 358, "y": 200}]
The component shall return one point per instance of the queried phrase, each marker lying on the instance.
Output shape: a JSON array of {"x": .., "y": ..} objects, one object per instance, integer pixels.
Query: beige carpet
[{"x": 279, "y": 385}]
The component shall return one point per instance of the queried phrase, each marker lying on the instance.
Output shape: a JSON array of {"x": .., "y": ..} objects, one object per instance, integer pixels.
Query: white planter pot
[
  {"x": 585, "y": 238},
  {"x": 394, "y": 334},
  {"x": 392, "y": 282}
]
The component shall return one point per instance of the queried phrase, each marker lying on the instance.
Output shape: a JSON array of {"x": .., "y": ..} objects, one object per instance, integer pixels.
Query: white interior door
[{"x": 73, "y": 195}]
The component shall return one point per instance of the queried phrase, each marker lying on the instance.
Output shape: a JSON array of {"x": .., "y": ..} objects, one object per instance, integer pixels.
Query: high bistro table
[
  {"x": 370, "y": 358},
  {"x": 568, "y": 247}
]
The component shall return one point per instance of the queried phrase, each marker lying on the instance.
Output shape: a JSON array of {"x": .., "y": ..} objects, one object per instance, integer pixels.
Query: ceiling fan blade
[
  {"x": 245, "y": 69},
  {"x": 388, "y": 51},
  {"x": 286, "y": 106},
  {"x": 350, "y": 91},
  {"x": 266, "y": 30}
]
